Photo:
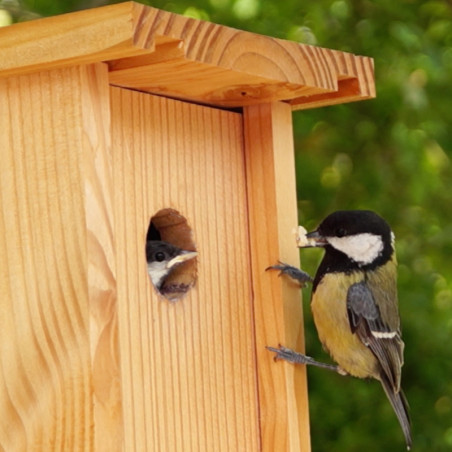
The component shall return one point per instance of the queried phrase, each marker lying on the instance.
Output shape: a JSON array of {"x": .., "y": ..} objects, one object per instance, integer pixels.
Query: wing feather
[{"x": 366, "y": 321}]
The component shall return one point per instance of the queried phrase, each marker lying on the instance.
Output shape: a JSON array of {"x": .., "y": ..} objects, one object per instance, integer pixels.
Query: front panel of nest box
[{"x": 179, "y": 172}]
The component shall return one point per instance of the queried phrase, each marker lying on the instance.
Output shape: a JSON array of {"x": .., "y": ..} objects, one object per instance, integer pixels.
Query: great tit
[
  {"x": 354, "y": 303},
  {"x": 162, "y": 258}
]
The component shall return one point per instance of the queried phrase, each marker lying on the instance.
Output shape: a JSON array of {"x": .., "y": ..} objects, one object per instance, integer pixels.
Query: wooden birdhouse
[{"x": 127, "y": 122}]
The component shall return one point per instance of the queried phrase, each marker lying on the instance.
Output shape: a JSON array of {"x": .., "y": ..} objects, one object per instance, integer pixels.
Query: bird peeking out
[
  {"x": 354, "y": 304},
  {"x": 162, "y": 258}
]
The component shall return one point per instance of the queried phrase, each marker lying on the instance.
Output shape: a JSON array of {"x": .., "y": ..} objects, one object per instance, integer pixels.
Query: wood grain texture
[
  {"x": 101, "y": 254},
  {"x": 277, "y": 302},
  {"x": 47, "y": 244},
  {"x": 91, "y": 357},
  {"x": 81, "y": 37},
  {"x": 188, "y": 368},
  {"x": 180, "y": 57}
]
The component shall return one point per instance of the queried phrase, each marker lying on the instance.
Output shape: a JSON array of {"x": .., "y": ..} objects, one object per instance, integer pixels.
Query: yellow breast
[{"x": 329, "y": 310}]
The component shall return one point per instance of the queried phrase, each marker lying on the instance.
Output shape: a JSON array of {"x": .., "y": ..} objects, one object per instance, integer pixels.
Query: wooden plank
[
  {"x": 101, "y": 254},
  {"x": 46, "y": 246},
  {"x": 349, "y": 89},
  {"x": 189, "y": 80},
  {"x": 188, "y": 367},
  {"x": 88, "y": 36},
  {"x": 180, "y": 57},
  {"x": 277, "y": 304},
  {"x": 269, "y": 70}
]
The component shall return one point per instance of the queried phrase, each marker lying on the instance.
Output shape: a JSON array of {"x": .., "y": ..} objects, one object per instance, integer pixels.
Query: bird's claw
[
  {"x": 287, "y": 354},
  {"x": 284, "y": 353},
  {"x": 294, "y": 273}
]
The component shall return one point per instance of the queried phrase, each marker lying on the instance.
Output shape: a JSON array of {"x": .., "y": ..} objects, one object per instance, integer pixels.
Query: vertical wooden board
[
  {"x": 101, "y": 272},
  {"x": 57, "y": 274},
  {"x": 270, "y": 173},
  {"x": 45, "y": 394},
  {"x": 188, "y": 367}
]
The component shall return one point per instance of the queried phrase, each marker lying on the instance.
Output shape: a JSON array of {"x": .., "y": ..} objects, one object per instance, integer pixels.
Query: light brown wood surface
[
  {"x": 180, "y": 57},
  {"x": 58, "y": 358},
  {"x": 188, "y": 368},
  {"x": 92, "y": 358},
  {"x": 277, "y": 302},
  {"x": 98, "y": 195}
]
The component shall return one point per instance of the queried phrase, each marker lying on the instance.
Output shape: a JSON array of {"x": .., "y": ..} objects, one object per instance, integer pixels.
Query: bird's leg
[
  {"x": 292, "y": 356},
  {"x": 294, "y": 273}
]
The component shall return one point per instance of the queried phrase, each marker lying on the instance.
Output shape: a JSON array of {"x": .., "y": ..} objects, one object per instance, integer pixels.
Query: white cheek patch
[
  {"x": 362, "y": 248},
  {"x": 157, "y": 270}
]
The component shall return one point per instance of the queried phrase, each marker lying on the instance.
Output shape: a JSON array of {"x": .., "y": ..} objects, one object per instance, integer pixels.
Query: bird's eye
[
  {"x": 159, "y": 256},
  {"x": 341, "y": 232}
]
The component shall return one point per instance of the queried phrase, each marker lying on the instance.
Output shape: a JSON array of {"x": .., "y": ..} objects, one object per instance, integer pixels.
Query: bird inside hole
[{"x": 162, "y": 259}]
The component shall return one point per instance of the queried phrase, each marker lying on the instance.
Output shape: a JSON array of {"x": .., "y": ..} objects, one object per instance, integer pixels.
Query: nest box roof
[{"x": 164, "y": 53}]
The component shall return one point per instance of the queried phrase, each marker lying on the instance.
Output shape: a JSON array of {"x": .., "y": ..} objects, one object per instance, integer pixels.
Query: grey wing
[{"x": 366, "y": 321}]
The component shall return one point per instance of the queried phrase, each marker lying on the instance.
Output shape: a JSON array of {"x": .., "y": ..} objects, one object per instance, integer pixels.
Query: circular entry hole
[{"x": 171, "y": 254}]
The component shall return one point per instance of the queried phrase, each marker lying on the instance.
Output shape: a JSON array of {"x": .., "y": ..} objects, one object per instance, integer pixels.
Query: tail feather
[{"x": 400, "y": 405}]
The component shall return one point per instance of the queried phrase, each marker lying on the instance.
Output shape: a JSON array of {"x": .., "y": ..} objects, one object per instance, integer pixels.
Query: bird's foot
[
  {"x": 287, "y": 354},
  {"x": 294, "y": 273}
]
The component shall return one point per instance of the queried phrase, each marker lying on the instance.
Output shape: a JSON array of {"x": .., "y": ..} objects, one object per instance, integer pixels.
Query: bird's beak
[
  {"x": 314, "y": 239},
  {"x": 183, "y": 257}
]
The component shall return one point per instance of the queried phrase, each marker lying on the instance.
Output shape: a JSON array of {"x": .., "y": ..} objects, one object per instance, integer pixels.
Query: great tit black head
[
  {"x": 162, "y": 258},
  {"x": 354, "y": 301},
  {"x": 354, "y": 238}
]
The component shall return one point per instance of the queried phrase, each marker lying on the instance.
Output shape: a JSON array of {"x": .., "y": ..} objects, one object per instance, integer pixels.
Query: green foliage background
[{"x": 392, "y": 155}]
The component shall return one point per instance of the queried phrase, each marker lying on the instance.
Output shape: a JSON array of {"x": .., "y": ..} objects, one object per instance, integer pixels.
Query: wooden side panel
[
  {"x": 278, "y": 310},
  {"x": 188, "y": 367},
  {"x": 49, "y": 141}
]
